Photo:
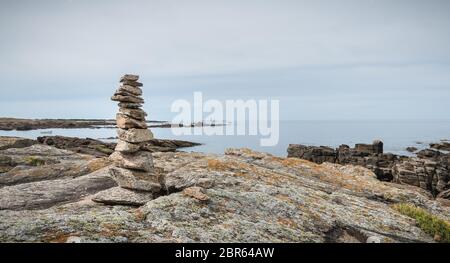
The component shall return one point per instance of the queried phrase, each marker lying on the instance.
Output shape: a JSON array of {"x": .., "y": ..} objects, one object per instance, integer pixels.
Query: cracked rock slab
[
  {"x": 121, "y": 196},
  {"x": 141, "y": 181}
]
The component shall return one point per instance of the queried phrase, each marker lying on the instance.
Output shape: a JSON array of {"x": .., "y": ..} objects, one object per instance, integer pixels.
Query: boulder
[
  {"x": 444, "y": 145},
  {"x": 137, "y": 114},
  {"x": 126, "y": 147},
  {"x": 130, "y": 89},
  {"x": 141, "y": 161},
  {"x": 140, "y": 181},
  {"x": 132, "y": 83},
  {"x": 7, "y": 142},
  {"x": 128, "y": 99},
  {"x": 312, "y": 153},
  {"x": 45, "y": 194},
  {"x": 79, "y": 145},
  {"x": 411, "y": 149},
  {"x": 121, "y": 196},
  {"x": 130, "y": 105},
  {"x": 135, "y": 135},
  {"x": 126, "y": 122},
  {"x": 129, "y": 77}
]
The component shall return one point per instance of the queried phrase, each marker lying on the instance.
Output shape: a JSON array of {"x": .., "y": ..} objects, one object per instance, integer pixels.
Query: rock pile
[{"x": 134, "y": 170}]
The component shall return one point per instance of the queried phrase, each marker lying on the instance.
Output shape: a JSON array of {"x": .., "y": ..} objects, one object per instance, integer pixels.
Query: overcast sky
[{"x": 323, "y": 59}]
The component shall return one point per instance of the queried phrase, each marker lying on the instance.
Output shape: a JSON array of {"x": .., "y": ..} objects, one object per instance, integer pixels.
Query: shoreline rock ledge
[{"x": 133, "y": 168}]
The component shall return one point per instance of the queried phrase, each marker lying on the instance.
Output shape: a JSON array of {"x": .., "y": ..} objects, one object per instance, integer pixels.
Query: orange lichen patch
[
  {"x": 139, "y": 215},
  {"x": 196, "y": 192},
  {"x": 56, "y": 237},
  {"x": 217, "y": 165},
  {"x": 288, "y": 222},
  {"x": 98, "y": 163},
  {"x": 293, "y": 162},
  {"x": 351, "y": 181}
]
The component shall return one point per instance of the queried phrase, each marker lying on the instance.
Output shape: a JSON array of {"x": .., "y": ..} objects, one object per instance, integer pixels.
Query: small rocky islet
[
  {"x": 428, "y": 169},
  {"x": 59, "y": 189}
]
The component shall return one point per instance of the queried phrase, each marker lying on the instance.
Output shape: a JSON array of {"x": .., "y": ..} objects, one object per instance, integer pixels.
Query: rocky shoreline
[
  {"x": 87, "y": 146},
  {"x": 240, "y": 196},
  {"x": 429, "y": 169}
]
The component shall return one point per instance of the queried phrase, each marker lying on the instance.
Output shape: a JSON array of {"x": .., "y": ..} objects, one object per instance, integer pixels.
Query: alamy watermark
[{"x": 228, "y": 118}]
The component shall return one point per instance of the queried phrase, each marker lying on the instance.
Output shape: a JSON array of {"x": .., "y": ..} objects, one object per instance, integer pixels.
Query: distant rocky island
[{"x": 10, "y": 124}]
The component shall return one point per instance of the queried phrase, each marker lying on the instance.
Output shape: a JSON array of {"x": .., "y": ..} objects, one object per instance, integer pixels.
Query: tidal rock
[
  {"x": 126, "y": 122},
  {"x": 126, "y": 147},
  {"x": 141, "y": 181},
  {"x": 7, "y": 142},
  {"x": 128, "y": 99},
  {"x": 141, "y": 161},
  {"x": 313, "y": 153},
  {"x": 137, "y": 114},
  {"x": 79, "y": 145},
  {"x": 135, "y": 135},
  {"x": 129, "y": 77},
  {"x": 121, "y": 196},
  {"x": 444, "y": 145},
  {"x": 130, "y": 89},
  {"x": 429, "y": 170},
  {"x": 411, "y": 149}
]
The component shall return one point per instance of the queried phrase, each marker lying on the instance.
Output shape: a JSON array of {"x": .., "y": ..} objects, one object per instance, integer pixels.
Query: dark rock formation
[
  {"x": 9, "y": 124},
  {"x": 429, "y": 170},
  {"x": 14, "y": 142},
  {"x": 79, "y": 145},
  {"x": 102, "y": 149},
  {"x": 411, "y": 149},
  {"x": 444, "y": 145}
]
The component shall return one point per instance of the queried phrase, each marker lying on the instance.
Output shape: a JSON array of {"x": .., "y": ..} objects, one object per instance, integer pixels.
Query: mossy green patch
[
  {"x": 34, "y": 161},
  {"x": 430, "y": 224},
  {"x": 103, "y": 149}
]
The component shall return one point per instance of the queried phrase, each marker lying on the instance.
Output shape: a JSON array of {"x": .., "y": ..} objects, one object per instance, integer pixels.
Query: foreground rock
[
  {"x": 44, "y": 194},
  {"x": 242, "y": 196},
  {"x": 15, "y": 142},
  {"x": 121, "y": 196},
  {"x": 430, "y": 169}
]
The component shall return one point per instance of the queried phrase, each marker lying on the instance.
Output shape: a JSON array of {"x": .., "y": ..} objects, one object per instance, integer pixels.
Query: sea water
[{"x": 396, "y": 135}]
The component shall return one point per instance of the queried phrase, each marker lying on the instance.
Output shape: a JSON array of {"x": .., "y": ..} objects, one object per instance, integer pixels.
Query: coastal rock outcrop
[
  {"x": 241, "y": 196},
  {"x": 429, "y": 170}
]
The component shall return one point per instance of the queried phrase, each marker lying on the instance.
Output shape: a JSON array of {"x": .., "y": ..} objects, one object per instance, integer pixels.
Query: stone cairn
[{"x": 133, "y": 163}]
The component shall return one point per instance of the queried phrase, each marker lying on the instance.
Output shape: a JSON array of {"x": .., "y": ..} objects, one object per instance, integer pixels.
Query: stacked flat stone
[{"x": 133, "y": 164}]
